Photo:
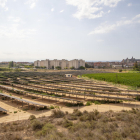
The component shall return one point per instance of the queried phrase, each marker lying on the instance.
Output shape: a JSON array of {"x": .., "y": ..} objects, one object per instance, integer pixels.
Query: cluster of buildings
[
  {"x": 64, "y": 64},
  {"x": 76, "y": 64},
  {"x": 130, "y": 62},
  {"x": 125, "y": 63},
  {"x": 18, "y": 63},
  {"x": 104, "y": 64}
]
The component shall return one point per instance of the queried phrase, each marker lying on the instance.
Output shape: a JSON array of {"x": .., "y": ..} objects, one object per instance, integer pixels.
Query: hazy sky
[{"x": 93, "y": 30}]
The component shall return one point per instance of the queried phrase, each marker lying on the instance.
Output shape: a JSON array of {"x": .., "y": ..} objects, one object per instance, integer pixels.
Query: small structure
[{"x": 68, "y": 75}]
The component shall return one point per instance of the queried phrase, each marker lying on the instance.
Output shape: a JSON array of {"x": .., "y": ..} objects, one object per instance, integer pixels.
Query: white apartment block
[{"x": 49, "y": 64}]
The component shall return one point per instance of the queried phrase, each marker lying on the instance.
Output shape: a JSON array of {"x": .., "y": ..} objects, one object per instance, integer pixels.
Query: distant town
[
  {"x": 125, "y": 63},
  {"x": 73, "y": 64}
]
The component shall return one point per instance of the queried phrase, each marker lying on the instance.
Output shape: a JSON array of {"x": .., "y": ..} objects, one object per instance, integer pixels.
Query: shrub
[
  {"x": 58, "y": 68},
  {"x": 77, "y": 112},
  {"x": 14, "y": 136},
  {"x": 135, "y": 136},
  {"x": 88, "y": 103},
  {"x": 71, "y": 117},
  {"x": 81, "y": 67},
  {"x": 57, "y": 113},
  {"x": 90, "y": 116},
  {"x": 82, "y": 118},
  {"x": 97, "y": 103},
  {"x": 116, "y": 136},
  {"x": 47, "y": 128},
  {"x": 36, "y": 125},
  {"x": 85, "y": 112},
  {"x": 120, "y": 70},
  {"x": 51, "y": 107},
  {"x": 66, "y": 112},
  {"x": 32, "y": 117},
  {"x": 15, "y": 111},
  {"x": 105, "y": 128},
  {"x": 67, "y": 123}
]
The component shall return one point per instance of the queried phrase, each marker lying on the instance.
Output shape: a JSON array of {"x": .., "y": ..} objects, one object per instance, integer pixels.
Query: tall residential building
[{"x": 50, "y": 64}]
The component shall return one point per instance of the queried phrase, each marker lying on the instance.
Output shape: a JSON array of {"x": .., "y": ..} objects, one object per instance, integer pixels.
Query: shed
[{"x": 68, "y": 75}]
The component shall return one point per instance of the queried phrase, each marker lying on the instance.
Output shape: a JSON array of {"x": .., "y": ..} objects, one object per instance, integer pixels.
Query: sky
[{"x": 92, "y": 30}]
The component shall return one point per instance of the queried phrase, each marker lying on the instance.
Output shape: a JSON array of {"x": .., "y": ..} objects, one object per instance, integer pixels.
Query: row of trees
[
  {"x": 40, "y": 67},
  {"x": 59, "y": 68},
  {"x": 11, "y": 64}
]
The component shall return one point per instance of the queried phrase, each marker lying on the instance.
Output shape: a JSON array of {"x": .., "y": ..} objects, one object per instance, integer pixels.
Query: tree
[
  {"x": 11, "y": 64},
  {"x": 37, "y": 67},
  {"x": 122, "y": 66},
  {"x": 87, "y": 65},
  {"x": 136, "y": 67},
  {"x": 72, "y": 67},
  {"x": 81, "y": 67},
  {"x": 58, "y": 68}
]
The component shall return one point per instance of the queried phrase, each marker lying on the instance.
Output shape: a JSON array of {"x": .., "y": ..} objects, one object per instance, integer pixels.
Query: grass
[{"x": 130, "y": 79}]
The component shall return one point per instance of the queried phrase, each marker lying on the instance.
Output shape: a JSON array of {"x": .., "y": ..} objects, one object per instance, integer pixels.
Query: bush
[
  {"x": 36, "y": 125},
  {"x": 88, "y": 103},
  {"x": 135, "y": 136},
  {"x": 77, "y": 112},
  {"x": 57, "y": 113},
  {"x": 97, "y": 103},
  {"x": 72, "y": 67},
  {"x": 120, "y": 70},
  {"x": 32, "y": 117},
  {"x": 51, "y": 107},
  {"x": 67, "y": 123},
  {"x": 72, "y": 117},
  {"x": 47, "y": 128},
  {"x": 81, "y": 67},
  {"x": 58, "y": 68}
]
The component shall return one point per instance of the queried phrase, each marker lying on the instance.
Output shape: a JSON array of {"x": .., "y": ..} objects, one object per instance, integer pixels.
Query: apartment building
[{"x": 52, "y": 64}]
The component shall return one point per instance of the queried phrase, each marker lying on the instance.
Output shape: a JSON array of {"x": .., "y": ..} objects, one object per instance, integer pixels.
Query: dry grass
[{"x": 123, "y": 125}]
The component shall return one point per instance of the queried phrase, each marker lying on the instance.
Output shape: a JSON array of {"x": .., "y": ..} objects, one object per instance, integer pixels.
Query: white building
[{"x": 52, "y": 64}]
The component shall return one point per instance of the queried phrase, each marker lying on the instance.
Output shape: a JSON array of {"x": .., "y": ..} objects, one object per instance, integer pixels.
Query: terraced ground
[{"x": 130, "y": 79}]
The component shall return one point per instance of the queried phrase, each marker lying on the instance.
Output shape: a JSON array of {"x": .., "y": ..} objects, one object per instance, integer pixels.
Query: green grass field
[{"x": 130, "y": 79}]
